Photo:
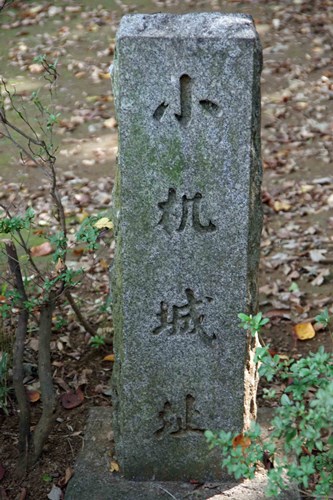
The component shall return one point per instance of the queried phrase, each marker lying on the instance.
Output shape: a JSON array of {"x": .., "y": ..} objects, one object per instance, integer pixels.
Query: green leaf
[
  {"x": 209, "y": 435},
  {"x": 285, "y": 401},
  {"x": 47, "y": 478},
  {"x": 293, "y": 287},
  {"x": 323, "y": 318}
]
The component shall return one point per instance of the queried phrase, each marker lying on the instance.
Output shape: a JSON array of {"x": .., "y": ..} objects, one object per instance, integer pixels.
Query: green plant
[
  {"x": 60, "y": 323},
  {"x": 299, "y": 448},
  {"x": 9, "y": 225},
  {"x": 88, "y": 233},
  {"x": 97, "y": 341},
  {"x": 47, "y": 478},
  {"x": 92, "y": 230},
  {"x": 323, "y": 318},
  {"x": 252, "y": 323}
]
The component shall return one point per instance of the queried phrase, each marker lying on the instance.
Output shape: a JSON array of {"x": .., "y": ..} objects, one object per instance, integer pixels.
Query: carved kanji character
[{"x": 190, "y": 213}]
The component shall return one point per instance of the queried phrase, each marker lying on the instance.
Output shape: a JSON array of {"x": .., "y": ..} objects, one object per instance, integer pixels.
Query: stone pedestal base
[{"x": 94, "y": 481}]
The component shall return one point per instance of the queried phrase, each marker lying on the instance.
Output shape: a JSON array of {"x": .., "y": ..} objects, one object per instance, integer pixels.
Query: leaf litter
[{"x": 297, "y": 148}]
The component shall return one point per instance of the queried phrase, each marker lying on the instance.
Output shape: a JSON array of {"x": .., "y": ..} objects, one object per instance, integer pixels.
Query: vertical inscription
[{"x": 179, "y": 423}]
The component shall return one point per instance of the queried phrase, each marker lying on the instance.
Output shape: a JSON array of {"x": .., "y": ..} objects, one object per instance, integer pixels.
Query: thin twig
[
  {"x": 19, "y": 131},
  {"x": 4, "y": 4},
  {"x": 308, "y": 495},
  {"x": 20, "y": 114},
  {"x": 18, "y": 145},
  {"x": 166, "y": 491},
  {"x": 78, "y": 313}
]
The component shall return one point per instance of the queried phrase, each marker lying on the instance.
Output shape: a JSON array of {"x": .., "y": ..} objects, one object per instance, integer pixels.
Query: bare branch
[
  {"x": 4, "y": 4},
  {"x": 30, "y": 139},
  {"x": 19, "y": 146},
  {"x": 20, "y": 114}
]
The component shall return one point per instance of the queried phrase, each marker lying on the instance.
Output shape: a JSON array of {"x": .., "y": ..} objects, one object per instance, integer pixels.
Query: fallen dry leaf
[
  {"x": 33, "y": 396},
  {"x": 104, "y": 76},
  {"x": 281, "y": 206},
  {"x": 320, "y": 279},
  {"x": 306, "y": 188},
  {"x": 278, "y": 313},
  {"x": 330, "y": 200},
  {"x": 104, "y": 223},
  {"x": 104, "y": 264},
  {"x": 110, "y": 123},
  {"x": 41, "y": 250},
  {"x": 72, "y": 399},
  {"x": 114, "y": 467},
  {"x": 61, "y": 383},
  {"x": 83, "y": 378},
  {"x": 60, "y": 266},
  {"x": 109, "y": 357},
  {"x": 241, "y": 440},
  {"x": 317, "y": 255},
  {"x": 80, "y": 74},
  {"x": 64, "y": 480},
  {"x": 83, "y": 215},
  {"x": 33, "y": 344},
  {"x": 88, "y": 162},
  {"x": 38, "y": 232},
  {"x": 78, "y": 251},
  {"x": 304, "y": 331}
]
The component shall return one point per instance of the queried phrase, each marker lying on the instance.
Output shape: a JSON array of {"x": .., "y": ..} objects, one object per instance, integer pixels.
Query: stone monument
[{"x": 187, "y": 223}]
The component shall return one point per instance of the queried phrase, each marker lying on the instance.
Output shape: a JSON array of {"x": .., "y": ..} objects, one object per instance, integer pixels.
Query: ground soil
[{"x": 297, "y": 242}]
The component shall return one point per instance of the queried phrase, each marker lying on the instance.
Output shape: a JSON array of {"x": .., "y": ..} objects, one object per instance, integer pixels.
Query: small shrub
[
  {"x": 32, "y": 292},
  {"x": 299, "y": 449},
  {"x": 97, "y": 341}
]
